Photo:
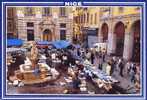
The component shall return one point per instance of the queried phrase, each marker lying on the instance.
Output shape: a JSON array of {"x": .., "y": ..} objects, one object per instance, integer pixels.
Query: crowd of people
[
  {"x": 62, "y": 59},
  {"x": 107, "y": 63},
  {"x": 112, "y": 64}
]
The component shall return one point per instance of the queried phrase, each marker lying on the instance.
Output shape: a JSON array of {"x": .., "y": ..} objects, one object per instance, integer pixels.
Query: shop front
[{"x": 90, "y": 36}]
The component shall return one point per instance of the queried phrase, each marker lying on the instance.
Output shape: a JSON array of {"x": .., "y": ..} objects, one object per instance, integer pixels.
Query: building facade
[
  {"x": 11, "y": 23},
  {"x": 117, "y": 26},
  {"x": 120, "y": 28},
  {"x": 87, "y": 21},
  {"x": 44, "y": 23}
]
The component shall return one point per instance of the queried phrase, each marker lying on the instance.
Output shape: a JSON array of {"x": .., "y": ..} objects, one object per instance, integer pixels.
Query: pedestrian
[
  {"x": 97, "y": 54},
  {"x": 100, "y": 58},
  {"x": 113, "y": 65},
  {"x": 75, "y": 52},
  {"x": 100, "y": 54},
  {"x": 108, "y": 68},
  {"x": 134, "y": 68},
  {"x": 92, "y": 57},
  {"x": 132, "y": 75},
  {"x": 103, "y": 54},
  {"x": 65, "y": 59},
  {"x": 71, "y": 60},
  {"x": 76, "y": 82},
  {"x": 46, "y": 50},
  {"x": 128, "y": 66},
  {"x": 53, "y": 56},
  {"x": 83, "y": 53},
  {"x": 88, "y": 55},
  {"x": 100, "y": 64},
  {"x": 49, "y": 61},
  {"x": 86, "y": 62},
  {"x": 78, "y": 52},
  {"x": 121, "y": 66},
  {"x": 80, "y": 66}
]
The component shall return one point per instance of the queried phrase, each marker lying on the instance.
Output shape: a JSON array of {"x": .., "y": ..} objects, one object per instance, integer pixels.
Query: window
[
  {"x": 62, "y": 34},
  {"x": 10, "y": 12},
  {"x": 95, "y": 20},
  {"x": 91, "y": 19},
  {"x": 87, "y": 17},
  {"x": 30, "y": 24},
  {"x": 81, "y": 19},
  {"x": 62, "y": 11},
  {"x": 62, "y": 25},
  {"x": 76, "y": 19},
  {"x": 10, "y": 26},
  {"x": 29, "y": 11},
  {"x": 30, "y": 35},
  {"x": 47, "y": 11},
  {"x": 84, "y": 18},
  {"x": 121, "y": 9}
]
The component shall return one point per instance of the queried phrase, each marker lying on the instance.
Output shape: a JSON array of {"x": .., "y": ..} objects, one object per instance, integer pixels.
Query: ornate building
[
  {"x": 118, "y": 26},
  {"x": 44, "y": 23}
]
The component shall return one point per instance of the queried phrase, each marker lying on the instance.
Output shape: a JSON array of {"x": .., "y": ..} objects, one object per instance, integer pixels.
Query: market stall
[
  {"x": 61, "y": 44},
  {"x": 14, "y": 42},
  {"x": 12, "y": 52},
  {"x": 43, "y": 44},
  {"x": 99, "y": 77},
  {"x": 15, "y": 50}
]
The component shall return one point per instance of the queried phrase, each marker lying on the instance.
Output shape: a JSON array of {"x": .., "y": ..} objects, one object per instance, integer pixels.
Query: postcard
[{"x": 73, "y": 50}]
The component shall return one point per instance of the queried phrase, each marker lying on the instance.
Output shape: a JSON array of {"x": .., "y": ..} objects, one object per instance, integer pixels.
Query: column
[
  {"x": 100, "y": 36},
  {"x": 111, "y": 43},
  {"x": 111, "y": 46},
  {"x": 53, "y": 33},
  {"x": 128, "y": 46},
  {"x": 37, "y": 34},
  {"x": 22, "y": 32}
]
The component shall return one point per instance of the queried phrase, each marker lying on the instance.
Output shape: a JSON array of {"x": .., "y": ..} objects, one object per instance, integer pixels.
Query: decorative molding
[{"x": 119, "y": 17}]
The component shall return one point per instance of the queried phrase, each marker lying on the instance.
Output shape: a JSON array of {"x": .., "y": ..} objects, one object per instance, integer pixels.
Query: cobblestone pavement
[{"x": 125, "y": 81}]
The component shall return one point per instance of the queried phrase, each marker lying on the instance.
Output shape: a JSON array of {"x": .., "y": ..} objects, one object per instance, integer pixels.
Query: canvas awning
[
  {"x": 14, "y": 42},
  {"x": 43, "y": 43},
  {"x": 59, "y": 44}
]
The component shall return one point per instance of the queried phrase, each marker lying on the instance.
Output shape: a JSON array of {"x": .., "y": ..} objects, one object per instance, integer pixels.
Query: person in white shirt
[
  {"x": 108, "y": 68},
  {"x": 53, "y": 56},
  {"x": 65, "y": 60}
]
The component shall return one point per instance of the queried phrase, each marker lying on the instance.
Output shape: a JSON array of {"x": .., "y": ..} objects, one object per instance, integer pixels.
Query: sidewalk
[{"x": 125, "y": 82}]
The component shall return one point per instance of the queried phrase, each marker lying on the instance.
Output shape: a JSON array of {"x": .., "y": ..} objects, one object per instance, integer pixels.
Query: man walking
[{"x": 121, "y": 66}]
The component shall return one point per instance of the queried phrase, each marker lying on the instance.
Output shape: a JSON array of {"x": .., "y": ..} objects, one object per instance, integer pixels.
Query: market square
[{"x": 73, "y": 50}]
